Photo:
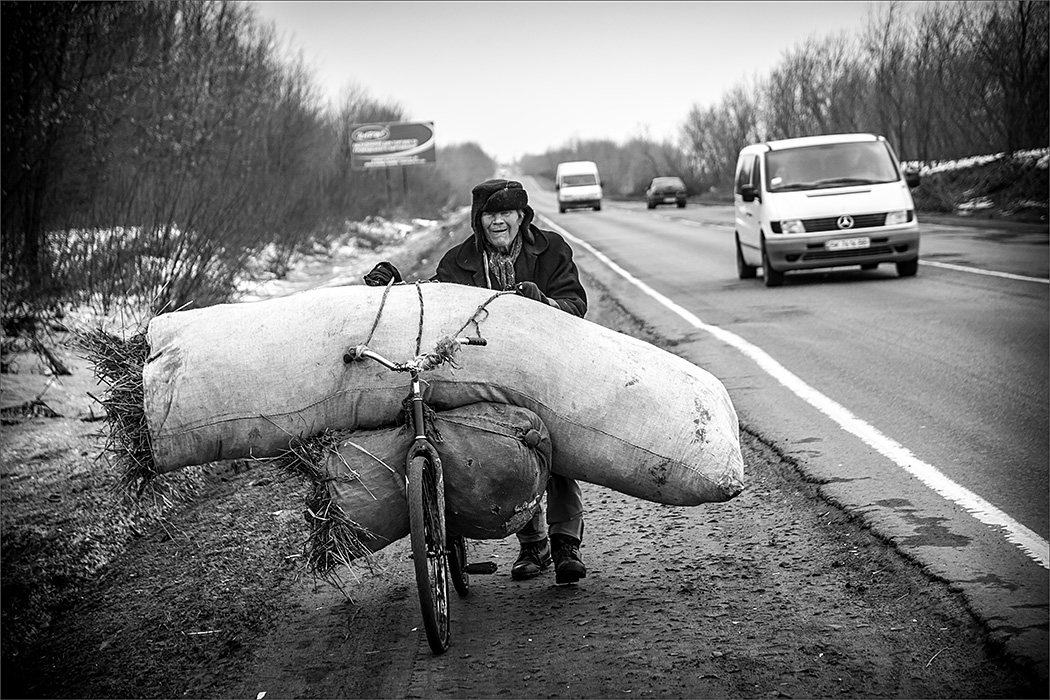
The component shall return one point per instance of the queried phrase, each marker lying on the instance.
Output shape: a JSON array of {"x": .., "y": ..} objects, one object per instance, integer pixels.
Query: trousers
[{"x": 563, "y": 516}]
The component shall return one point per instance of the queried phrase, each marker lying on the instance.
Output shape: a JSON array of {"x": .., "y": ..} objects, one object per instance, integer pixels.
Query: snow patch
[
  {"x": 1038, "y": 155},
  {"x": 343, "y": 262}
]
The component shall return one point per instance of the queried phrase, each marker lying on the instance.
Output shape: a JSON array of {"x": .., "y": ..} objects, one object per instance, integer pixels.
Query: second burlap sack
[{"x": 495, "y": 459}]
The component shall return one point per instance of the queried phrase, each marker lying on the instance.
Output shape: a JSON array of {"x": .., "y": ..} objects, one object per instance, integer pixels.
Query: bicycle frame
[{"x": 436, "y": 557}]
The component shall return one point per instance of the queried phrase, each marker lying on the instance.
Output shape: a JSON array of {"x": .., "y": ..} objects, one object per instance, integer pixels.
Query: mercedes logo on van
[{"x": 845, "y": 221}]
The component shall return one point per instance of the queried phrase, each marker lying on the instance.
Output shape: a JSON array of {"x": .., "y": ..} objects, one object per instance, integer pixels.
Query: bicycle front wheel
[{"x": 426, "y": 514}]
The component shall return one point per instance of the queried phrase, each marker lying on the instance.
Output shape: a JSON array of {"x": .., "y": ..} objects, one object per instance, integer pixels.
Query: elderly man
[{"x": 506, "y": 251}]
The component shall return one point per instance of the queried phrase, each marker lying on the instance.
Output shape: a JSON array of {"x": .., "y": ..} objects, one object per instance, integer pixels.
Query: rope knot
[{"x": 444, "y": 351}]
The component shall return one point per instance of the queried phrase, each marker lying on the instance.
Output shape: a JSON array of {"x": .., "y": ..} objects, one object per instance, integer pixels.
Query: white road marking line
[
  {"x": 979, "y": 271},
  {"x": 1037, "y": 548}
]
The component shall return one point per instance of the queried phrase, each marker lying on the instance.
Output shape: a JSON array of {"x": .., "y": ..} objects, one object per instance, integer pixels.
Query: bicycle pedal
[{"x": 481, "y": 567}]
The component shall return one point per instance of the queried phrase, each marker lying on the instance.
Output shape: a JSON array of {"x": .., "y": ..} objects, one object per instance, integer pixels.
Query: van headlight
[
  {"x": 792, "y": 226},
  {"x": 895, "y": 218}
]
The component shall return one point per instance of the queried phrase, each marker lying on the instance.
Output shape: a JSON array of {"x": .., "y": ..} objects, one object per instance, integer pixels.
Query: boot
[
  {"x": 533, "y": 558},
  {"x": 568, "y": 566}
]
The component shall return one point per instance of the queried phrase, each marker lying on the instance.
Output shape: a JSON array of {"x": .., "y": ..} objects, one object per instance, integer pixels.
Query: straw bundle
[
  {"x": 335, "y": 538},
  {"x": 118, "y": 364}
]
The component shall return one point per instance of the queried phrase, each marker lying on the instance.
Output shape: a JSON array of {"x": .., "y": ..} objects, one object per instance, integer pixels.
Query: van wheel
[
  {"x": 597, "y": 207},
  {"x": 651, "y": 205},
  {"x": 743, "y": 270},
  {"x": 681, "y": 205},
  {"x": 908, "y": 268},
  {"x": 561, "y": 209},
  {"x": 772, "y": 277}
]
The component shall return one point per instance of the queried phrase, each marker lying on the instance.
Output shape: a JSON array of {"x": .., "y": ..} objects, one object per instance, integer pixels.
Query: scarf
[{"x": 500, "y": 264}]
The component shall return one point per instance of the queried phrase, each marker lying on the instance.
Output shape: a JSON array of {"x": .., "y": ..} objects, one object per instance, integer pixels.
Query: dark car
[{"x": 665, "y": 190}]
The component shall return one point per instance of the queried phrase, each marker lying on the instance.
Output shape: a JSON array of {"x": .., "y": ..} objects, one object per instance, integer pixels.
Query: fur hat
[{"x": 499, "y": 195}]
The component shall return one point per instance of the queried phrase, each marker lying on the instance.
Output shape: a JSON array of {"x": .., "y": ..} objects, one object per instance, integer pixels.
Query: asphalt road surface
[{"x": 920, "y": 404}]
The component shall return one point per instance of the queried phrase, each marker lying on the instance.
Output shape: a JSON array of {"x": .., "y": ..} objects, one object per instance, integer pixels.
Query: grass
[
  {"x": 998, "y": 188},
  {"x": 76, "y": 493}
]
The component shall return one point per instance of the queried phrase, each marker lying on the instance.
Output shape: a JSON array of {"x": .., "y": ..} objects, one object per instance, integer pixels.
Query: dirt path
[{"x": 774, "y": 594}]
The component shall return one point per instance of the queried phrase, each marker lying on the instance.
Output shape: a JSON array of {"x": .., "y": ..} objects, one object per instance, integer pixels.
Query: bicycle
[{"x": 437, "y": 557}]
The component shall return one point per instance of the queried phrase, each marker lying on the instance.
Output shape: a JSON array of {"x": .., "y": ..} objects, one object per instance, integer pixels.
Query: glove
[
  {"x": 381, "y": 275},
  {"x": 529, "y": 290}
]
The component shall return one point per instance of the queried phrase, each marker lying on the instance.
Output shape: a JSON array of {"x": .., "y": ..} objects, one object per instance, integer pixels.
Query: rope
[
  {"x": 379, "y": 313},
  {"x": 476, "y": 318},
  {"x": 419, "y": 335},
  {"x": 446, "y": 347}
]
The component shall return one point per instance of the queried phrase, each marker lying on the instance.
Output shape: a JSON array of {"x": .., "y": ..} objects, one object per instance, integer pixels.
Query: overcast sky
[{"x": 522, "y": 77}]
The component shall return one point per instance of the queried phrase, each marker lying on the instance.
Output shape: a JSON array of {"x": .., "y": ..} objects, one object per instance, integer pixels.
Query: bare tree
[
  {"x": 714, "y": 136},
  {"x": 891, "y": 60},
  {"x": 55, "y": 79},
  {"x": 151, "y": 148},
  {"x": 1012, "y": 47}
]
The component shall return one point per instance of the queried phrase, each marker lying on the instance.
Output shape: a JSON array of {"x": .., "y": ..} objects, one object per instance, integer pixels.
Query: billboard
[{"x": 391, "y": 144}]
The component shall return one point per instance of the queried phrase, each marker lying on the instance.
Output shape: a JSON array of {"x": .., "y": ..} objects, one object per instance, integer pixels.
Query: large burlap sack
[
  {"x": 237, "y": 380},
  {"x": 495, "y": 459}
]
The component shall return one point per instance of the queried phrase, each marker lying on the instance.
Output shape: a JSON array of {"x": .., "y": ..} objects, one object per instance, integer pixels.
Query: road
[
  {"x": 920, "y": 405},
  {"x": 787, "y": 590}
]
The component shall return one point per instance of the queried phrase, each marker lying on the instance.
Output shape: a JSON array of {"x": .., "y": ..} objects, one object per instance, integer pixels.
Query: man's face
[{"x": 501, "y": 227}]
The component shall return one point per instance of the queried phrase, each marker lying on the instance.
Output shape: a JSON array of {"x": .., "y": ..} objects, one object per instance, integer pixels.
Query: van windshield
[
  {"x": 578, "y": 180},
  {"x": 831, "y": 165}
]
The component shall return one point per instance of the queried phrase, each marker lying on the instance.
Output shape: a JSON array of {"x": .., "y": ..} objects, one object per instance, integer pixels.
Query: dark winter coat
[{"x": 545, "y": 259}]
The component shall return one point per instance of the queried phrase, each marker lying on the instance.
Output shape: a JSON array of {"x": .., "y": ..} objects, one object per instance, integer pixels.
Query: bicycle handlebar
[{"x": 418, "y": 364}]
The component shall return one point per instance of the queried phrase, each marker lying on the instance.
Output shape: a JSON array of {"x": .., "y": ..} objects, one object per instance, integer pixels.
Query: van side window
[
  {"x": 743, "y": 172},
  {"x": 746, "y": 173}
]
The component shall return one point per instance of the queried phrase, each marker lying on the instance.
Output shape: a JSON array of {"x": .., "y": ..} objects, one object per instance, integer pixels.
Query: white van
[
  {"x": 578, "y": 186},
  {"x": 823, "y": 201}
]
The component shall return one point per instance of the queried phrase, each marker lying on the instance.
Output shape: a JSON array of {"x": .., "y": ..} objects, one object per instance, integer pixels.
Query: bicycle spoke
[
  {"x": 426, "y": 513},
  {"x": 436, "y": 554}
]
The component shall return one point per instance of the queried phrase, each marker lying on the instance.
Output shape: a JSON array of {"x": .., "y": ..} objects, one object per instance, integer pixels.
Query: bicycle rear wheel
[
  {"x": 457, "y": 565},
  {"x": 426, "y": 514}
]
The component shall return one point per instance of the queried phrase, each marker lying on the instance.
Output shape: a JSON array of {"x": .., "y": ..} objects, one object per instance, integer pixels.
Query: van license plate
[{"x": 848, "y": 243}]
